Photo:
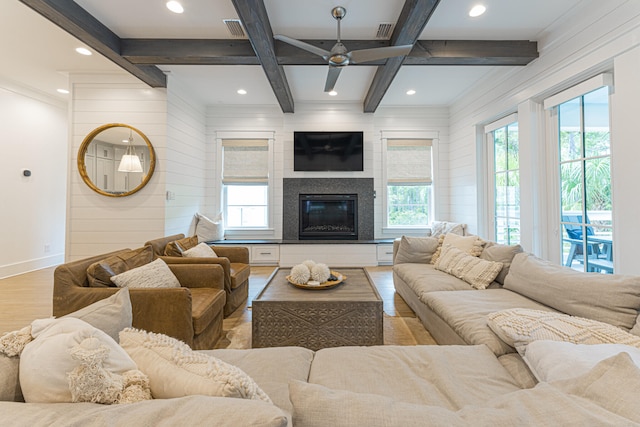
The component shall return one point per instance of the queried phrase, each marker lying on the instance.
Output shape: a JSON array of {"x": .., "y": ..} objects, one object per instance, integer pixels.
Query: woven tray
[{"x": 325, "y": 285}]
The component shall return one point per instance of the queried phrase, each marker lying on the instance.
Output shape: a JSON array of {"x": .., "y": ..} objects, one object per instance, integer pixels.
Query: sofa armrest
[
  {"x": 220, "y": 261},
  {"x": 165, "y": 311},
  {"x": 239, "y": 254},
  {"x": 199, "y": 275},
  {"x": 396, "y": 245}
]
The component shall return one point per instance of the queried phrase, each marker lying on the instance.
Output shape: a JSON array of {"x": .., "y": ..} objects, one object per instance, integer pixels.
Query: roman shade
[
  {"x": 245, "y": 161},
  {"x": 409, "y": 161}
]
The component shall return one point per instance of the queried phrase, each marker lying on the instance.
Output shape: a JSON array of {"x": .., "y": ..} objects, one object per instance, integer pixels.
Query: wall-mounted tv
[{"x": 328, "y": 151}]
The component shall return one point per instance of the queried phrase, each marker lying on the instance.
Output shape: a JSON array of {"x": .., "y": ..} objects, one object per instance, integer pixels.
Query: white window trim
[
  {"x": 596, "y": 82},
  {"x": 219, "y": 187},
  {"x": 435, "y": 138}
]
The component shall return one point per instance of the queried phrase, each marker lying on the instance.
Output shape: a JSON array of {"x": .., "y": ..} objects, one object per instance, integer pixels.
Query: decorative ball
[
  {"x": 320, "y": 272},
  {"x": 300, "y": 274},
  {"x": 309, "y": 263}
]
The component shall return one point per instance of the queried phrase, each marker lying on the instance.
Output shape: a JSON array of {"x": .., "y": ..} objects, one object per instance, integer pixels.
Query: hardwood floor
[{"x": 28, "y": 296}]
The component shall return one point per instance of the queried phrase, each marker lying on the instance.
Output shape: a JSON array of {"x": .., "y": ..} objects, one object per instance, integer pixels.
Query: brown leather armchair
[
  {"x": 233, "y": 259},
  {"x": 192, "y": 313}
]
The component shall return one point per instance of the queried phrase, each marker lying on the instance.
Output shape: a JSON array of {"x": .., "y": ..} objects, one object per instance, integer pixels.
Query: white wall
[
  {"x": 95, "y": 223},
  {"x": 186, "y": 163},
  {"x": 310, "y": 117},
  {"x": 597, "y": 36},
  {"x": 34, "y": 137}
]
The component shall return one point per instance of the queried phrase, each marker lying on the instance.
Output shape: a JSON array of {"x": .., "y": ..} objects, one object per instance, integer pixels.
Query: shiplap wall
[
  {"x": 34, "y": 137},
  {"x": 600, "y": 35},
  {"x": 95, "y": 223},
  {"x": 310, "y": 117},
  {"x": 186, "y": 162}
]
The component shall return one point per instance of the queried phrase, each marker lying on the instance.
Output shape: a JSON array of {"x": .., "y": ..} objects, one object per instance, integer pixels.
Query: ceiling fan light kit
[{"x": 339, "y": 56}]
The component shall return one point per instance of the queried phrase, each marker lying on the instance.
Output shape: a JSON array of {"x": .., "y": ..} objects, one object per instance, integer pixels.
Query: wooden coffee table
[{"x": 348, "y": 314}]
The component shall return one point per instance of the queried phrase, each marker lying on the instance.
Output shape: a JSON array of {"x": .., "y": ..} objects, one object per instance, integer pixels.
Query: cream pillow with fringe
[
  {"x": 175, "y": 370},
  {"x": 473, "y": 245},
  {"x": 479, "y": 273}
]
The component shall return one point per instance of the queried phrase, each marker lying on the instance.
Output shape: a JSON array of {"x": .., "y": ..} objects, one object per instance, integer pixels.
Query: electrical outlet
[{"x": 47, "y": 248}]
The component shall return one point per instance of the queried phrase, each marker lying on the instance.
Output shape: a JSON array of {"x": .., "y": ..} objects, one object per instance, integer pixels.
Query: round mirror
[{"x": 116, "y": 160}]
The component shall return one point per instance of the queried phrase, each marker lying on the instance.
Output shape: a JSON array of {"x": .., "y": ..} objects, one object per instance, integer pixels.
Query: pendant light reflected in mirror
[{"x": 130, "y": 161}]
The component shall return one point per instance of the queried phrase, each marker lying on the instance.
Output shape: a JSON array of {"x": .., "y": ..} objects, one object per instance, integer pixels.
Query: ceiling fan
[{"x": 339, "y": 56}]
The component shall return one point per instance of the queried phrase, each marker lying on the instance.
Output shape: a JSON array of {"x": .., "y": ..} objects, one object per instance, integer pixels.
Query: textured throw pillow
[
  {"x": 100, "y": 273},
  {"x": 477, "y": 272},
  {"x": 497, "y": 252},
  {"x": 177, "y": 247},
  {"x": 46, "y": 361},
  {"x": 110, "y": 315},
  {"x": 416, "y": 250},
  {"x": 175, "y": 370},
  {"x": 470, "y": 244},
  {"x": 558, "y": 360},
  {"x": 156, "y": 274},
  {"x": 444, "y": 227},
  {"x": 201, "y": 250},
  {"x": 519, "y": 327},
  {"x": 209, "y": 229}
]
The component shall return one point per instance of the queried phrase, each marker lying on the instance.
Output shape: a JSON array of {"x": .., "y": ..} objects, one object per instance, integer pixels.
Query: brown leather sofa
[
  {"x": 192, "y": 313},
  {"x": 233, "y": 259}
]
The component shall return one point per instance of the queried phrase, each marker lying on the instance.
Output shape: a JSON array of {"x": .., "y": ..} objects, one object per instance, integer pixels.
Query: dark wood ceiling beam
[
  {"x": 240, "y": 52},
  {"x": 72, "y": 18},
  {"x": 255, "y": 21},
  {"x": 413, "y": 18}
]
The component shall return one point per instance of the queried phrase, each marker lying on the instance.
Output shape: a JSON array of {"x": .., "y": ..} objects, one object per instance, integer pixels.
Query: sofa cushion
[
  {"x": 10, "y": 390},
  {"x": 414, "y": 374},
  {"x": 271, "y": 368},
  {"x": 175, "y": 370},
  {"x": 518, "y": 327},
  {"x": 177, "y": 247},
  {"x": 99, "y": 273},
  {"x": 469, "y": 244},
  {"x": 206, "y": 305},
  {"x": 46, "y": 361},
  {"x": 466, "y": 313},
  {"x": 610, "y": 298},
  {"x": 416, "y": 250},
  {"x": 500, "y": 253},
  {"x": 201, "y": 250},
  {"x": 477, "y": 272},
  {"x": 156, "y": 274},
  {"x": 422, "y": 278}
]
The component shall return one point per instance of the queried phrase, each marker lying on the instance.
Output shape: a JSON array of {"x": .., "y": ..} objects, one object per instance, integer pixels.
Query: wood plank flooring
[{"x": 28, "y": 296}]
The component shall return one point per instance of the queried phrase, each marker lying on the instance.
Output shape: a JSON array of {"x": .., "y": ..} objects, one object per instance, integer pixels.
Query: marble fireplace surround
[{"x": 293, "y": 187}]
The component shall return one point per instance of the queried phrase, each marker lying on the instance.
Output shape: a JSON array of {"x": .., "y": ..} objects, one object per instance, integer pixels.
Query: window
[
  {"x": 408, "y": 182},
  {"x": 245, "y": 173},
  {"x": 581, "y": 119},
  {"x": 502, "y": 137}
]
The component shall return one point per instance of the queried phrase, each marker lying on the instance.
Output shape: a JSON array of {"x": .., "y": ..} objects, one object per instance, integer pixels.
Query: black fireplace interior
[{"x": 328, "y": 216}]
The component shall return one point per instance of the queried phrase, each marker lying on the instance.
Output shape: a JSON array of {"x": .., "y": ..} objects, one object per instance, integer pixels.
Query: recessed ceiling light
[
  {"x": 411, "y": 92},
  {"x": 333, "y": 93},
  {"x": 242, "y": 91},
  {"x": 477, "y": 10},
  {"x": 175, "y": 6},
  {"x": 65, "y": 91},
  {"x": 83, "y": 51}
]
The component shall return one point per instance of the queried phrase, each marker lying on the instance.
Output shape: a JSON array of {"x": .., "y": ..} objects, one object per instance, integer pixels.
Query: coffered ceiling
[{"x": 452, "y": 51}]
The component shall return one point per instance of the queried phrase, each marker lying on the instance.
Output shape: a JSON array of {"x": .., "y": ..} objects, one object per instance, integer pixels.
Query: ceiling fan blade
[
  {"x": 366, "y": 55},
  {"x": 302, "y": 45},
  {"x": 332, "y": 77}
]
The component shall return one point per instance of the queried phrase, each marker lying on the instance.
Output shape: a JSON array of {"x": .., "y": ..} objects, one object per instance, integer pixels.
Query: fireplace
[{"x": 328, "y": 216}]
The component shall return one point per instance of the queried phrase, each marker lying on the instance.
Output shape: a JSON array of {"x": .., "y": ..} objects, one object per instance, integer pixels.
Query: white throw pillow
[
  {"x": 110, "y": 315},
  {"x": 156, "y": 274},
  {"x": 558, "y": 360},
  {"x": 201, "y": 250},
  {"x": 519, "y": 327},
  {"x": 444, "y": 227},
  {"x": 479, "y": 273},
  {"x": 175, "y": 370},
  {"x": 472, "y": 245},
  {"x": 209, "y": 229},
  {"x": 46, "y": 361}
]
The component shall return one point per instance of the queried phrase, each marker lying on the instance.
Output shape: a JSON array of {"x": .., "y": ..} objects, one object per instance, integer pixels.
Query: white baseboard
[{"x": 30, "y": 265}]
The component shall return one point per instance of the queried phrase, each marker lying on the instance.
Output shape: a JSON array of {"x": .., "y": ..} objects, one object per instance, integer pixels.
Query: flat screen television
[{"x": 328, "y": 151}]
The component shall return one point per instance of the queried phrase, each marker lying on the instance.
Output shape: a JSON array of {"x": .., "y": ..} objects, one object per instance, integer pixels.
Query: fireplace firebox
[{"x": 328, "y": 216}]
